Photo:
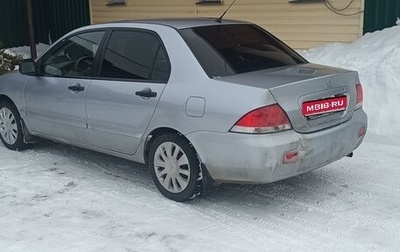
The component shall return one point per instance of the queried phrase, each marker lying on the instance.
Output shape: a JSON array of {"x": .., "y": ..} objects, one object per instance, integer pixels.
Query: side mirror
[{"x": 27, "y": 67}]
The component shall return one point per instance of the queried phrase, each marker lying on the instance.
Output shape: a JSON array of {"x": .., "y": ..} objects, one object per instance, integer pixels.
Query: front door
[
  {"x": 121, "y": 102},
  {"x": 55, "y": 100}
]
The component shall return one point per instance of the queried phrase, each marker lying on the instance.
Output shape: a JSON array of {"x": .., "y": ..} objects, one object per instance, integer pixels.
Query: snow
[
  {"x": 60, "y": 198},
  {"x": 10, "y": 52},
  {"x": 25, "y": 51}
]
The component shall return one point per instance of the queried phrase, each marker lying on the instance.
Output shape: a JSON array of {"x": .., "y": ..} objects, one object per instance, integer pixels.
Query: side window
[
  {"x": 136, "y": 56},
  {"x": 75, "y": 56}
]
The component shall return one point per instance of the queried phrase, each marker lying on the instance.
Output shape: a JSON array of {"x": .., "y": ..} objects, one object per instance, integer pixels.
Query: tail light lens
[
  {"x": 360, "y": 96},
  {"x": 267, "y": 119}
]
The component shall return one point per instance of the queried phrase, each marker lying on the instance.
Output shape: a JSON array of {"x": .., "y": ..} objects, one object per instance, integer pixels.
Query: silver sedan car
[{"x": 201, "y": 101}]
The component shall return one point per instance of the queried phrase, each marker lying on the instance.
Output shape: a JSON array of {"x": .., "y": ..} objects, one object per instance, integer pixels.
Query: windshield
[{"x": 224, "y": 50}]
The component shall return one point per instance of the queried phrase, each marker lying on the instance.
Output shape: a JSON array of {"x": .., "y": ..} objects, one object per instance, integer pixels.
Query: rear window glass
[{"x": 224, "y": 50}]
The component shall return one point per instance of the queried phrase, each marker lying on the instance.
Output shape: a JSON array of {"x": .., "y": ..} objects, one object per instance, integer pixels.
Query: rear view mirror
[{"x": 27, "y": 67}]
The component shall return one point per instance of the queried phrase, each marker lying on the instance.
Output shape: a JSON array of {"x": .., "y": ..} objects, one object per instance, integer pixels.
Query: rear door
[{"x": 121, "y": 101}]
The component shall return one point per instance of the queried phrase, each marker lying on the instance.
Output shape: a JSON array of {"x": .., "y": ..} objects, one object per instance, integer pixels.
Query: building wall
[{"x": 302, "y": 25}]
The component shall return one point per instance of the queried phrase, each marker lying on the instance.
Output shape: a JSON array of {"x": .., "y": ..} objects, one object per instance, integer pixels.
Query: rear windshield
[{"x": 224, "y": 50}]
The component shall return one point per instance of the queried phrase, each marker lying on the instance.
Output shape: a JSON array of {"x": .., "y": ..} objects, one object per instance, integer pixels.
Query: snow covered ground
[{"x": 60, "y": 198}]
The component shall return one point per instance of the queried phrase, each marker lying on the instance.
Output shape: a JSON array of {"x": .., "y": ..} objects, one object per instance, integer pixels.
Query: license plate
[{"x": 329, "y": 105}]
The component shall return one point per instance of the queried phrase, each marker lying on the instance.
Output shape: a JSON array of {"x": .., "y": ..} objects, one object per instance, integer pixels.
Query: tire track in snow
[
  {"x": 244, "y": 226},
  {"x": 373, "y": 199},
  {"x": 287, "y": 219},
  {"x": 385, "y": 229},
  {"x": 260, "y": 193},
  {"x": 269, "y": 233}
]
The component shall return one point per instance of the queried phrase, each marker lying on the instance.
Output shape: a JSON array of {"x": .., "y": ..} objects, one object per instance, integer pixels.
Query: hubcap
[
  {"x": 172, "y": 167},
  {"x": 8, "y": 126}
]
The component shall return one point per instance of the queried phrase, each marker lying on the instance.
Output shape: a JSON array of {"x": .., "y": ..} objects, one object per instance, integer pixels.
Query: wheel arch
[
  {"x": 153, "y": 135},
  {"x": 5, "y": 98},
  {"x": 207, "y": 181}
]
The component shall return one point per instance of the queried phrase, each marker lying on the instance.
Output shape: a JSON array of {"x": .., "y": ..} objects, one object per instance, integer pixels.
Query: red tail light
[
  {"x": 360, "y": 96},
  {"x": 267, "y": 119}
]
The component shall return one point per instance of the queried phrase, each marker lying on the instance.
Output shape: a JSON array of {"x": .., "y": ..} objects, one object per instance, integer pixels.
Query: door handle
[
  {"x": 146, "y": 93},
  {"x": 76, "y": 88}
]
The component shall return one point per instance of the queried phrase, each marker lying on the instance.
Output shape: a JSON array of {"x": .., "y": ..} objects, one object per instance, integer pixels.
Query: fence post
[{"x": 31, "y": 29}]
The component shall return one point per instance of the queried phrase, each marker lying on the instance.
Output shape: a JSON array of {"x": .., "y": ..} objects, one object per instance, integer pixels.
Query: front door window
[{"x": 75, "y": 57}]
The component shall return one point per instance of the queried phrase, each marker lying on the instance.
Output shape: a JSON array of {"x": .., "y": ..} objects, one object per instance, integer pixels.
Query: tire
[
  {"x": 175, "y": 167},
  {"x": 11, "y": 133}
]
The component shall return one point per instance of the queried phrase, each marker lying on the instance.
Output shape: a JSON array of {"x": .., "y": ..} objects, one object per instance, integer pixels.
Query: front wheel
[
  {"x": 11, "y": 133},
  {"x": 175, "y": 167}
]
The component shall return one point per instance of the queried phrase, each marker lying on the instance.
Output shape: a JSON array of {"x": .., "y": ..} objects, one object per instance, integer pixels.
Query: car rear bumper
[{"x": 247, "y": 158}]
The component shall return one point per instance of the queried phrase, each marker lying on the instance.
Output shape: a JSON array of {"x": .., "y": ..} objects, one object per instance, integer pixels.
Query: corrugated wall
[
  {"x": 67, "y": 15},
  {"x": 51, "y": 18},
  {"x": 302, "y": 25},
  {"x": 12, "y": 31},
  {"x": 380, "y": 14}
]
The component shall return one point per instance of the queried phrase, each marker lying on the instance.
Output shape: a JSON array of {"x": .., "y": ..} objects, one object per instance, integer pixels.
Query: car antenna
[{"x": 219, "y": 20}]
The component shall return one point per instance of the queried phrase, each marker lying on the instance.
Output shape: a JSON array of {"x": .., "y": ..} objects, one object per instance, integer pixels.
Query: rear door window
[{"x": 135, "y": 55}]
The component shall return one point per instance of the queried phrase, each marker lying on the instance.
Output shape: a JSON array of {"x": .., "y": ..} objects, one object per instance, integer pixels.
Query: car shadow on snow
[{"x": 94, "y": 162}]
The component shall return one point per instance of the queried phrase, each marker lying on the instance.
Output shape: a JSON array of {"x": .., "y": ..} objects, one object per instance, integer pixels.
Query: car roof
[{"x": 182, "y": 23}]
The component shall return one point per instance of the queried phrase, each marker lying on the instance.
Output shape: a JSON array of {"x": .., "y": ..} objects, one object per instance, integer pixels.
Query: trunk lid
[{"x": 307, "y": 93}]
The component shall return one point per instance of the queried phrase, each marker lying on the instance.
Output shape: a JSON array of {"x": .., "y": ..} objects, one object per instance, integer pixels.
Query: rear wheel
[
  {"x": 11, "y": 133},
  {"x": 175, "y": 167}
]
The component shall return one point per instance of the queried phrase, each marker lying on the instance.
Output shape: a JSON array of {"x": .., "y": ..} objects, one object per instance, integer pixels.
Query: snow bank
[
  {"x": 25, "y": 51},
  {"x": 376, "y": 56}
]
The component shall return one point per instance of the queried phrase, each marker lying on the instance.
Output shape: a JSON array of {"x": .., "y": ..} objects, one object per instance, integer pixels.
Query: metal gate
[
  {"x": 380, "y": 14},
  {"x": 51, "y": 20}
]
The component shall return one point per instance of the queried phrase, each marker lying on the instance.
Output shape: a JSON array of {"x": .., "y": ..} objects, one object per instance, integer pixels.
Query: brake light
[
  {"x": 267, "y": 119},
  {"x": 360, "y": 96}
]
